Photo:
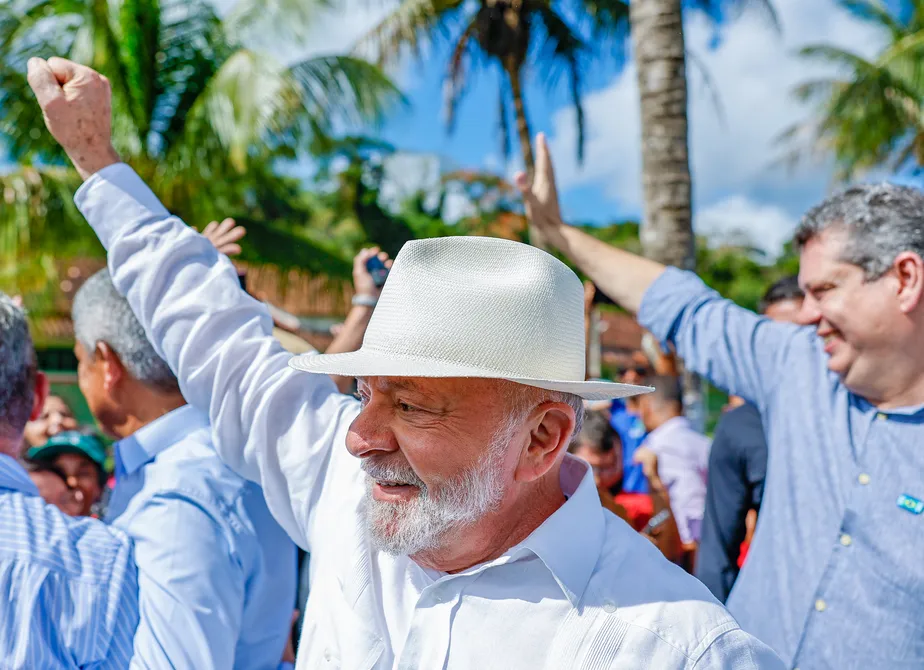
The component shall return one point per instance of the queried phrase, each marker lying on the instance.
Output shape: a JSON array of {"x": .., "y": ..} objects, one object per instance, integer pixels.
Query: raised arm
[
  {"x": 732, "y": 347},
  {"x": 623, "y": 276},
  {"x": 271, "y": 424}
]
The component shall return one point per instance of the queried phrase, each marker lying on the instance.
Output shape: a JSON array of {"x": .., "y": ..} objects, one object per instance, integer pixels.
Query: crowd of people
[{"x": 477, "y": 502}]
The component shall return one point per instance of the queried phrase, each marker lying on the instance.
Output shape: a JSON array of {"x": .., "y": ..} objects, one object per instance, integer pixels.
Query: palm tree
[
  {"x": 508, "y": 35},
  {"x": 872, "y": 114},
  {"x": 660, "y": 55},
  {"x": 201, "y": 117}
]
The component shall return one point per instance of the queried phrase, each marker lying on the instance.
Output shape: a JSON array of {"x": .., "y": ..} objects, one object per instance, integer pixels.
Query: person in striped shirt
[{"x": 68, "y": 586}]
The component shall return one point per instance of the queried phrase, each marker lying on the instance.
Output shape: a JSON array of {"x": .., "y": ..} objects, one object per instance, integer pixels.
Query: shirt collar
[
  {"x": 14, "y": 477},
  {"x": 569, "y": 542},
  {"x": 674, "y": 423},
  {"x": 145, "y": 443}
]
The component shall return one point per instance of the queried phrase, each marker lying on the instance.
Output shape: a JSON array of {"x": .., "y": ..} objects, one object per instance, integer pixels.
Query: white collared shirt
[{"x": 583, "y": 591}]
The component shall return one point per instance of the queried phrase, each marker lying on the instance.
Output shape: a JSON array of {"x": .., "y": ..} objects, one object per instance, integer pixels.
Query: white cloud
[
  {"x": 755, "y": 70},
  {"x": 739, "y": 220}
]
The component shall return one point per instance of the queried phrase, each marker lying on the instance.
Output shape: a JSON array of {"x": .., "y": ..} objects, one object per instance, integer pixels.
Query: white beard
[{"x": 408, "y": 528}]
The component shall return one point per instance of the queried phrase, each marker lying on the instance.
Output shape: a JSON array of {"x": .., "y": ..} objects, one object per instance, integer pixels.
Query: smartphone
[{"x": 378, "y": 271}]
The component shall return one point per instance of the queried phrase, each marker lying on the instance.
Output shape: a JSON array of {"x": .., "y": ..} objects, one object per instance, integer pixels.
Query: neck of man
[
  {"x": 147, "y": 405},
  {"x": 494, "y": 534},
  {"x": 11, "y": 446},
  {"x": 906, "y": 391}
]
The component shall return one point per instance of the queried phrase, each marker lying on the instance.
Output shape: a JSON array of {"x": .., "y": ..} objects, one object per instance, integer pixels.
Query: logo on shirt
[{"x": 909, "y": 504}]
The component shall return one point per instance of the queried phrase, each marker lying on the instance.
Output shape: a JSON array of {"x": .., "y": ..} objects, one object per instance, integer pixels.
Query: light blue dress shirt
[
  {"x": 216, "y": 572},
  {"x": 835, "y": 574},
  {"x": 68, "y": 587}
]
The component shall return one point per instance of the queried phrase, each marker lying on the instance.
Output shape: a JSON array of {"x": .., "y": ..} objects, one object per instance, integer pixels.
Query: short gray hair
[
  {"x": 881, "y": 221},
  {"x": 17, "y": 369},
  {"x": 101, "y": 314},
  {"x": 525, "y": 398}
]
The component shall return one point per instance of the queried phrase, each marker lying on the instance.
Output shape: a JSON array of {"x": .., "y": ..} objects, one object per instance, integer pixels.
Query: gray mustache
[{"x": 394, "y": 473}]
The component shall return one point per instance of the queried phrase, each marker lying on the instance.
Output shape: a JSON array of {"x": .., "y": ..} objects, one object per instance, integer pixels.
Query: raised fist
[{"x": 77, "y": 104}]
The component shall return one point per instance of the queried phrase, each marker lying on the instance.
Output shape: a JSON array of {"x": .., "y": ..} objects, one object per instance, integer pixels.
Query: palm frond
[
  {"x": 413, "y": 24},
  {"x": 335, "y": 91},
  {"x": 259, "y": 23},
  {"x": 456, "y": 82},
  {"x": 875, "y": 12},
  {"x": 607, "y": 23}
]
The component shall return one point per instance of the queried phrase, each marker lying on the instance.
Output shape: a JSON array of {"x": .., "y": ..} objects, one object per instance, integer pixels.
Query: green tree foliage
[
  {"x": 872, "y": 113},
  {"x": 203, "y": 118}
]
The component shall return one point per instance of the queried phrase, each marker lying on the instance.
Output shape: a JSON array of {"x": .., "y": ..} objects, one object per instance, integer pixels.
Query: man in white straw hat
[{"x": 453, "y": 531}]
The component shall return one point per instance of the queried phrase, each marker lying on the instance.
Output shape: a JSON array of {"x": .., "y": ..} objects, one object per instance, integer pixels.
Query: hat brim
[{"x": 368, "y": 363}]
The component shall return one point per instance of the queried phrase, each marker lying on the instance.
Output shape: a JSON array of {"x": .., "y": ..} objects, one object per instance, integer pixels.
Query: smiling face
[
  {"x": 435, "y": 453},
  {"x": 444, "y": 455},
  {"x": 861, "y": 322}
]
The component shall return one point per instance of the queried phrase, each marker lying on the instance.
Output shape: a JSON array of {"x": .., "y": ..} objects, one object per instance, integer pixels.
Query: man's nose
[
  {"x": 370, "y": 434},
  {"x": 810, "y": 313}
]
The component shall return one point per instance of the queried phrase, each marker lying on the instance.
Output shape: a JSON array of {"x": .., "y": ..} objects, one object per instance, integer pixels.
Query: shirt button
[
  {"x": 882, "y": 416},
  {"x": 820, "y": 605},
  {"x": 609, "y": 606},
  {"x": 863, "y": 478},
  {"x": 846, "y": 540}
]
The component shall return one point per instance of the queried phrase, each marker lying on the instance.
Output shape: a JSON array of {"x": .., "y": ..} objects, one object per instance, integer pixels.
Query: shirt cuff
[
  {"x": 115, "y": 197},
  {"x": 666, "y": 299}
]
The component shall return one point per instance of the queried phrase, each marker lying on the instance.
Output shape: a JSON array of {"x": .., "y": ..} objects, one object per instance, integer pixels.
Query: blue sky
[{"x": 738, "y": 186}]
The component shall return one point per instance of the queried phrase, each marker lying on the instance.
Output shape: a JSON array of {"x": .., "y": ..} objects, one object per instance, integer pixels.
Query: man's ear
[
  {"x": 113, "y": 371},
  {"x": 552, "y": 425},
  {"x": 39, "y": 394},
  {"x": 909, "y": 269}
]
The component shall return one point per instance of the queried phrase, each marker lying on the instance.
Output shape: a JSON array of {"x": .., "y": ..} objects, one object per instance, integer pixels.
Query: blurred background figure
[
  {"x": 682, "y": 455},
  {"x": 599, "y": 444},
  {"x": 81, "y": 460},
  {"x": 738, "y": 467},
  {"x": 56, "y": 416}
]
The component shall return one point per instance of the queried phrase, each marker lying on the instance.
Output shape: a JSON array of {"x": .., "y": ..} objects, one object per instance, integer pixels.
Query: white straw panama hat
[{"x": 476, "y": 307}]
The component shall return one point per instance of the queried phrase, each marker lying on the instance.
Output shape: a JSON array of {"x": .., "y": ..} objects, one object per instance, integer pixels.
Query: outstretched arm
[{"x": 280, "y": 428}]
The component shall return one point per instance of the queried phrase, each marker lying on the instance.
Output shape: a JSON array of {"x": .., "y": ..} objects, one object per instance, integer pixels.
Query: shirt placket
[
  {"x": 427, "y": 643},
  {"x": 827, "y": 593}
]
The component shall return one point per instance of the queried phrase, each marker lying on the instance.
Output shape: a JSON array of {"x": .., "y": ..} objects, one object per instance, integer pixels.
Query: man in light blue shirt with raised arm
[
  {"x": 835, "y": 575},
  {"x": 68, "y": 586},
  {"x": 216, "y": 572}
]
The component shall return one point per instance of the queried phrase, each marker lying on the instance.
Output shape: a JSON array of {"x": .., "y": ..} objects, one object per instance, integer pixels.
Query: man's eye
[{"x": 404, "y": 407}]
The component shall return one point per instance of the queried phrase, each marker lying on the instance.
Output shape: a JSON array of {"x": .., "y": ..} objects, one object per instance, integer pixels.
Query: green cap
[{"x": 71, "y": 442}]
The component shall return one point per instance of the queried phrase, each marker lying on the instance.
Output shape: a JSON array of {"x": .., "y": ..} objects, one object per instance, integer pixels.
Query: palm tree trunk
[
  {"x": 657, "y": 39},
  {"x": 525, "y": 137},
  {"x": 667, "y": 228}
]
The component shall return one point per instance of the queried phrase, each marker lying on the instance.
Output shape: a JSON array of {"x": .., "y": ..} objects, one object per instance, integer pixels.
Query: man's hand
[
  {"x": 541, "y": 196},
  {"x": 649, "y": 462},
  {"x": 225, "y": 236},
  {"x": 362, "y": 278},
  {"x": 77, "y": 104}
]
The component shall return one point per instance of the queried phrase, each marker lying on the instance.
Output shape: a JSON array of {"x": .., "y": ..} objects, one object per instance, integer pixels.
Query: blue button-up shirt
[
  {"x": 835, "y": 575},
  {"x": 216, "y": 572},
  {"x": 68, "y": 587}
]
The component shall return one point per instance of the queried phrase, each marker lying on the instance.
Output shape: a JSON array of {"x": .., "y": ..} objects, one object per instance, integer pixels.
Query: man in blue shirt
[
  {"x": 216, "y": 572},
  {"x": 835, "y": 577},
  {"x": 69, "y": 586}
]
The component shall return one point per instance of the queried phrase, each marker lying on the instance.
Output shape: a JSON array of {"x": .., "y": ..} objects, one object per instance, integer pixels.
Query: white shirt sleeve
[{"x": 271, "y": 424}]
